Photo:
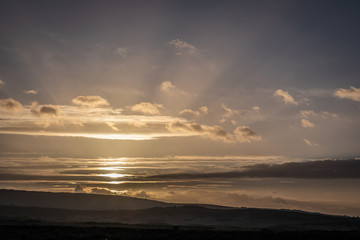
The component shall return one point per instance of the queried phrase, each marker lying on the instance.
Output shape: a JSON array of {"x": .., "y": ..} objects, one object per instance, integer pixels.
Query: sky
[{"x": 238, "y": 103}]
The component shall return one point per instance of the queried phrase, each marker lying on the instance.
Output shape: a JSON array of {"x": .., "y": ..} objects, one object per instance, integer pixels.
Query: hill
[{"x": 77, "y": 208}]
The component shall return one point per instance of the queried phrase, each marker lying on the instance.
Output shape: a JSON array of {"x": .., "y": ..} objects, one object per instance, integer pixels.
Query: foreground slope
[
  {"x": 186, "y": 216},
  {"x": 79, "y": 208}
]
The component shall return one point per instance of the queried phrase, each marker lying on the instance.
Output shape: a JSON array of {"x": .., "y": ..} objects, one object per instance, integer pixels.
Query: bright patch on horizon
[{"x": 113, "y": 175}]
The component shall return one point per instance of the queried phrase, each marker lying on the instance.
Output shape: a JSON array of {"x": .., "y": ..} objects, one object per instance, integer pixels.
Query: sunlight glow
[{"x": 113, "y": 175}]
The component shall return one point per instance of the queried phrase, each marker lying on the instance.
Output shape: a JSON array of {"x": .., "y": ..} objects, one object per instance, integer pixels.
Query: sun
[{"x": 113, "y": 175}]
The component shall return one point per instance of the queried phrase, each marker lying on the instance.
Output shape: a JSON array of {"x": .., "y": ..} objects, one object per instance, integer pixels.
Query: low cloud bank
[{"x": 314, "y": 169}]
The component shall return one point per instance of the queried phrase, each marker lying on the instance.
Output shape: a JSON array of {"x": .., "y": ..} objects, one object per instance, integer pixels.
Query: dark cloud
[
  {"x": 314, "y": 169},
  {"x": 49, "y": 110},
  {"x": 79, "y": 188},
  {"x": 246, "y": 134},
  {"x": 212, "y": 132}
]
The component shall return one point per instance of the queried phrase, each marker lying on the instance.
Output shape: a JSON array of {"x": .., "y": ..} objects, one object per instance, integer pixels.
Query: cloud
[
  {"x": 231, "y": 112},
  {"x": 90, "y": 101},
  {"x": 182, "y": 46},
  {"x": 147, "y": 108},
  {"x": 313, "y": 169},
  {"x": 285, "y": 97},
  {"x": 48, "y": 110},
  {"x": 245, "y": 134},
  {"x": 32, "y": 92},
  {"x": 307, "y": 113},
  {"x": 102, "y": 191},
  {"x": 112, "y": 125},
  {"x": 141, "y": 194},
  {"x": 329, "y": 115},
  {"x": 2, "y": 83},
  {"x": 122, "y": 52},
  {"x": 167, "y": 86},
  {"x": 242, "y": 133},
  {"x": 138, "y": 123},
  {"x": 312, "y": 114},
  {"x": 79, "y": 188},
  {"x": 256, "y": 108},
  {"x": 306, "y": 123},
  {"x": 10, "y": 105},
  {"x": 189, "y": 113},
  {"x": 310, "y": 143},
  {"x": 211, "y": 132},
  {"x": 352, "y": 93},
  {"x": 204, "y": 110}
]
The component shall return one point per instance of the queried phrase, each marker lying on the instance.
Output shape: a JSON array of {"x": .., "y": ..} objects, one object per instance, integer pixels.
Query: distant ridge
[{"x": 75, "y": 201}]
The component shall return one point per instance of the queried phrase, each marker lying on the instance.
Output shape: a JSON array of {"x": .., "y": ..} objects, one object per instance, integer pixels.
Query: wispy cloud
[
  {"x": 310, "y": 143},
  {"x": 182, "y": 47},
  {"x": 245, "y": 114},
  {"x": 189, "y": 113},
  {"x": 147, "y": 108},
  {"x": 313, "y": 114},
  {"x": 352, "y": 93},
  {"x": 31, "y": 92},
  {"x": 170, "y": 89},
  {"x": 167, "y": 86},
  {"x": 10, "y": 105},
  {"x": 307, "y": 117},
  {"x": 2, "y": 83},
  {"x": 231, "y": 112},
  {"x": 141, "y": 136},
  {"x": 307, "y": 113},
  {"x": 90, "y": 101},
  {"x": 122, "y": 51},
  {"x": 204, "y": 110},
  {"x": 306, "y": 123},
  {"x": 73, "y": 121},
  {"x": 285, "y": 97},
  {"x": 112, "y": 125}
]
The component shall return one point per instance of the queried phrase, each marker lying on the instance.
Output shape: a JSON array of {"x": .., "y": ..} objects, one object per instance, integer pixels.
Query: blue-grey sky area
[{"x": 269, "y": 82}]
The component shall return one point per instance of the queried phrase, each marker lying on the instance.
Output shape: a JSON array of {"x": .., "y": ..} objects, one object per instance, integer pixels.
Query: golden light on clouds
[
  {"x": 285, "y": 97},
  {"x": 91, "y": 100},
  {"x": 352, "y": 93}
]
